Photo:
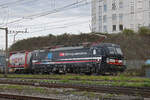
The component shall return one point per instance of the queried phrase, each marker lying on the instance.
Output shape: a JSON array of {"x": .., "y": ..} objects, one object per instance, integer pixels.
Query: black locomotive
[{"x": 99, "y": 59}]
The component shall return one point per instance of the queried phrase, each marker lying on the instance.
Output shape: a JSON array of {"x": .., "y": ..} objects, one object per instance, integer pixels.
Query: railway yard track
[
  {"x": 19, "y": 97},
  {"x": 142, "y": 91}
]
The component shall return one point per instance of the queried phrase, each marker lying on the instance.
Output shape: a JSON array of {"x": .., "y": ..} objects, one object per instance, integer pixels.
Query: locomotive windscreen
[
  {"x": 118, "y": 50},
  {"x": 115, "y": 51}
]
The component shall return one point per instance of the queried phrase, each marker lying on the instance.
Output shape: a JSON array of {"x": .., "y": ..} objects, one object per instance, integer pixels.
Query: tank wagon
[{"x": 100, "y": 58}]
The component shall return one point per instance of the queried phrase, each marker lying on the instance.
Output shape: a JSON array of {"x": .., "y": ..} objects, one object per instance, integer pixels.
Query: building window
[
  {"x": 105, "y": 8},
  {"x": 114, "y": 17},
  {"x": 100, "y": 0},
  {"x": 139, "y": 4},
  {"x": 149, "y": 4},
  {"x": 100, "y": 23},
  {"x": 114, "y": 27},
  {"x": 100, "y": 9},
  {"x": 131, "y": 26},
  {"x": 104, "y": 18},
  {"x": 114, "y": 5},
  {"x": 132, "y": 7},
  {"x": 120, "y": 17},
  {"x": 100, "y": 18},
  {"x": 121, "y": 27},
  {"x": 121, "y": 4},
  {"x": 105, "y": 28}
]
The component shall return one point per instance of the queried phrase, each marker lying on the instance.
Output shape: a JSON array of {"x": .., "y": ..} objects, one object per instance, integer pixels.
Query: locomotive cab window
[
  {"x": 111, "y": 50},
  {"x": 118, "y": 50},
  {"x": 115, "y": 50}
]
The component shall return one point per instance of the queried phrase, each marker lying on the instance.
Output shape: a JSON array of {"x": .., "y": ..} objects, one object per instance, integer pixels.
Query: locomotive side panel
[{"x": 72, "y": 56}]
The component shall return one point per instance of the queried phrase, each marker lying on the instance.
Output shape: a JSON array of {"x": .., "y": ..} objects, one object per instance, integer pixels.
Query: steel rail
[
  {"x": 20, "y": 97},
  {"x": 142, "y": 91}
]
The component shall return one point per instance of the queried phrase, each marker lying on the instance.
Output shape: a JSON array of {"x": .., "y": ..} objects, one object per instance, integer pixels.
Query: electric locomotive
[{"x": 99, "y": 59}]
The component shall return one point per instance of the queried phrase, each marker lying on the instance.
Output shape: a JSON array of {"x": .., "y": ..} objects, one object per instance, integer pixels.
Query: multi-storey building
[{"x": 113, "y": 16}]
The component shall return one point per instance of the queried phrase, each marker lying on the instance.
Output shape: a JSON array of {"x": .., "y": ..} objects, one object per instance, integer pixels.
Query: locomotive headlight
[
  {"x": 112, "y": 60},
  {"x": 107, "y": 60},
  {"x": 120, "y": 61}
]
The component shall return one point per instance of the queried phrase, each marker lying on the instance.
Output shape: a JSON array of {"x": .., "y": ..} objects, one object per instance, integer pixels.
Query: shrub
[
  {"x": 128, "y": 32},
  {"x": 144, "y": 31}
]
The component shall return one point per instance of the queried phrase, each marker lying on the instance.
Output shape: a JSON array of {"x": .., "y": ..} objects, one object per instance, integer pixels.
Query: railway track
[
  {"x": 143, "y": 91},
  {"x": 19, "y": 97}
]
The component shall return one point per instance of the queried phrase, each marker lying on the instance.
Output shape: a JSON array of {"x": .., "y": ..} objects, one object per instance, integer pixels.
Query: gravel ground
[{"x": 63, "y": 93}]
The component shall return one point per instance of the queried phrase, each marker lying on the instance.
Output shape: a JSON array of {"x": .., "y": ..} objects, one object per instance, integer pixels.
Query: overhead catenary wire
[
  {"x": 38, "y": 15},
  {"x": 126, "y": 14},
  {"x": 50, "y": 22},
  {"x": 10, "y": 3},
  {"x": 58, "y": 27},
  {"x": 130, "y": 13},
  {"x": 65, "y": 26},
  {"x": 110, "y": 17},
  {"x": 31, "y": 17},
  {"x": 55, "y": 10}
]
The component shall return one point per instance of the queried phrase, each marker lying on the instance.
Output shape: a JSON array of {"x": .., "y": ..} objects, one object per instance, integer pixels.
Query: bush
[
  {"x": 128, "y": 32},
  {"x": 147, "y": 65},
  {"x": 144, "y": 31},
  {"x": 134, "y": 72}
]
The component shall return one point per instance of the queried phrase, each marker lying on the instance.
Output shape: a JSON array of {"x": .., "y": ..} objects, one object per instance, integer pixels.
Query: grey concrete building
[{"x": 113, "y": 16}]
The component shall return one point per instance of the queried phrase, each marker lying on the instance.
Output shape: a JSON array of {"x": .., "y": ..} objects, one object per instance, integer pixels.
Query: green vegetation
[
  {"x": 144, "y": 31},
  {"x": 22, "y": 88},
  {"x": 128, "y": 32},
  {"x": 66, "y": 78}
]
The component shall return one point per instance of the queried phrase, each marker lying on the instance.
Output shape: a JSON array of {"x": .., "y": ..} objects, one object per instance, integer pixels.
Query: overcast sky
[{"x": 43, "y": 17}]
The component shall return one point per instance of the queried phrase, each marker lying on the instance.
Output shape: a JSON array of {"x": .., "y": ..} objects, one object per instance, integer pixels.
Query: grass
[
  {"x": 22, "y": 88},
  {"x": 82, "y": 77}
]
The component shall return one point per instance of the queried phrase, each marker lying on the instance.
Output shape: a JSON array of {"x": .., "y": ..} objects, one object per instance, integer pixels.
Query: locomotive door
[{"x": 95, "y": 54}]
